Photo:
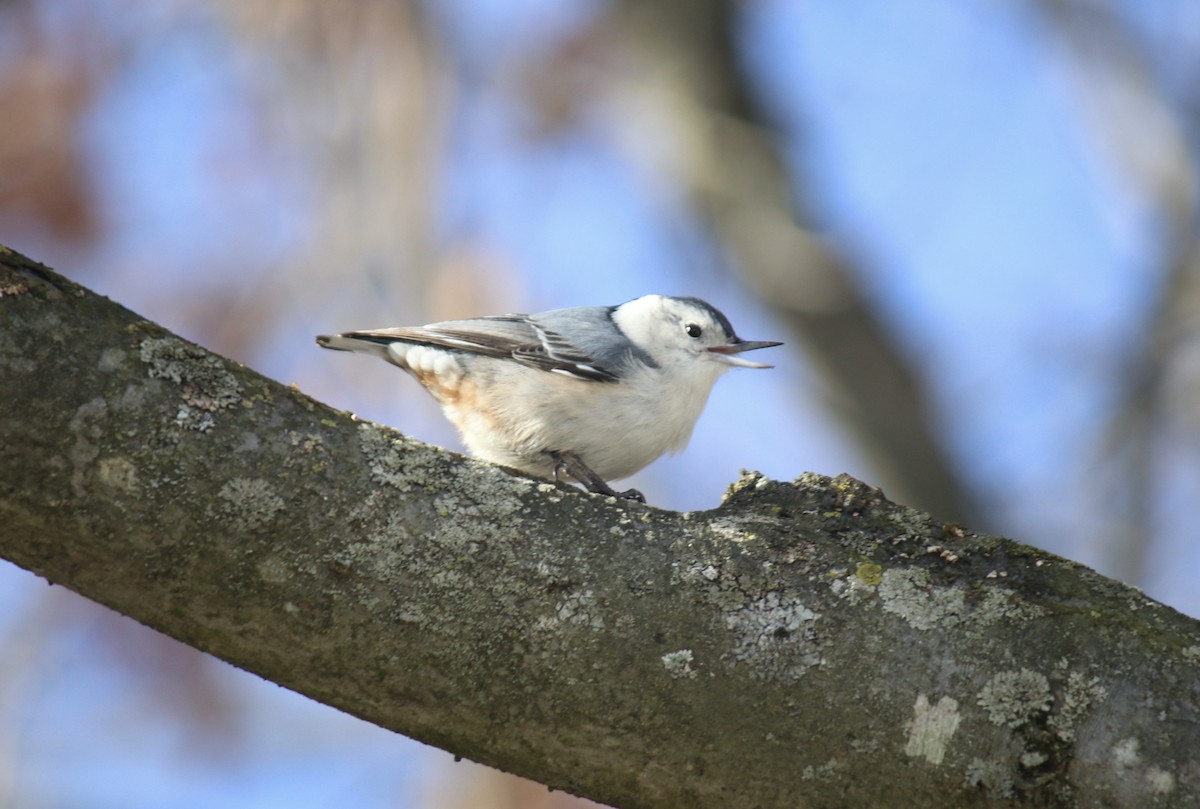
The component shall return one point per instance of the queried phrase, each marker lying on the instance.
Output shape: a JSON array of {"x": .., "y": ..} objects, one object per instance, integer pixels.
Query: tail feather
[{"x": 363, "y": 344}]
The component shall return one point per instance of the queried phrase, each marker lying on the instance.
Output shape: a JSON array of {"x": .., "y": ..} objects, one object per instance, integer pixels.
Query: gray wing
[
  {"x": 593, "y": 334},
  {"x": 595, "y": 351}
]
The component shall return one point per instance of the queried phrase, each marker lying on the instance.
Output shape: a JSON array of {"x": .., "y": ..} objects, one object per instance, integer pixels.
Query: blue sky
[{"x": 944, "y": 144}]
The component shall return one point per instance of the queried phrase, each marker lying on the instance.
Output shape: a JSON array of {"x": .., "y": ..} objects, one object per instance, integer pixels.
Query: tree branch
[{"x": 806, "y": 644}]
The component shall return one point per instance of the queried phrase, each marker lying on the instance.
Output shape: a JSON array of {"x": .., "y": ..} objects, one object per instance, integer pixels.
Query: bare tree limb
[{"x": 805, "y": 644}]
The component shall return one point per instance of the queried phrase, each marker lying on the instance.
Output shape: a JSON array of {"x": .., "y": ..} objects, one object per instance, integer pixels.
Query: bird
[{"x": 588, "y": 394}]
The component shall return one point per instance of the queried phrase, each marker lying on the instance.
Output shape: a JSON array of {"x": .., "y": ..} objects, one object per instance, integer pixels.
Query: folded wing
[{"x": 521, "y": 338}]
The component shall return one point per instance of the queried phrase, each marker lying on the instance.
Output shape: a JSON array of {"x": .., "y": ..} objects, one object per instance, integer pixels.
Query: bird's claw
[{"x": 569, "y": 464}]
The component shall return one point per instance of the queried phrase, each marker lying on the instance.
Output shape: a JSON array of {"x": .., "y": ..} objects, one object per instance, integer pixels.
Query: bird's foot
[{"x": 569, "y": 463}]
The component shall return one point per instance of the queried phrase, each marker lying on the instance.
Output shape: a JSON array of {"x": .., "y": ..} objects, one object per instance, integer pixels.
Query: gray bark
[{"x": 806, "y": 644}]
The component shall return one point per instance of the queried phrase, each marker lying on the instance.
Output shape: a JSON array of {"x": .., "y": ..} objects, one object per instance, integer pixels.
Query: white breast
[{"x": 514, "y": 416}]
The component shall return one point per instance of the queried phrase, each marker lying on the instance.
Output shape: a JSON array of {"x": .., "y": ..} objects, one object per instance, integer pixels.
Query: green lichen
[
  {"x": 1125, "y": 754},
  {"x": 853, "y": 589},
  {"x": 250, "y": 502},
  {"x": 679, "y": 664},
  {"x": 580, "y": 608},
  {"x": 1078, "y": 697},
  {"x": 389, "y": 459},
  {"x": 992, "y": 776},
  {"x": 1159, "y": 781},
  {"x": 1002, "y": 603},
  {"x": 909, "y": 593},
  {"x": 207, "y": 386},
  {"x": 869, "y": 573},
  {"x": 932, "y": 728},
  {"x": 1013, "y": 698},
  {"x": 118, "y": 472},
  {"x": 822, "y": 772},
  {"x": 775, "y": 635}
]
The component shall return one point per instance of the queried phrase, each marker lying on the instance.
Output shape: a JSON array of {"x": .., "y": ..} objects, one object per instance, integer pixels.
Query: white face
[{"x": 672, "y": 330}]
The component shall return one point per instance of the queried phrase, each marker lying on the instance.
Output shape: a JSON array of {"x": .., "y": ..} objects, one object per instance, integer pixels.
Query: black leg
[{"x": 569, "y": 463}]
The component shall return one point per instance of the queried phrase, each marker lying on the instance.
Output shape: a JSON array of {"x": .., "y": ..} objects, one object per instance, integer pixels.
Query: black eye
[{"x": 693, "y": 330}]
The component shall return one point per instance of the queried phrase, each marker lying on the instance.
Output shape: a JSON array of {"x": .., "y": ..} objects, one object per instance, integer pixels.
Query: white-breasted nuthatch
[{"x": 592, "y": 392}]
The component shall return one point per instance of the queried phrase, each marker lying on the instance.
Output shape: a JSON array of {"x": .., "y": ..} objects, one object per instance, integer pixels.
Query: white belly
[{"x": 515, "y": 416}]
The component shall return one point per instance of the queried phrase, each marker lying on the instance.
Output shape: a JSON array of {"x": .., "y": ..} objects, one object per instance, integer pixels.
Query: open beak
[{"x": 728, "y": 354}]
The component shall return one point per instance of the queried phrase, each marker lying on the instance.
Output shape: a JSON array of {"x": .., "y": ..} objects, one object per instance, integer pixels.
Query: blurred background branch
[
  {"x": 738, "y": 181},
  {"x": 1149, "y": 138},
  {"x": 977, "y": 220}
]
